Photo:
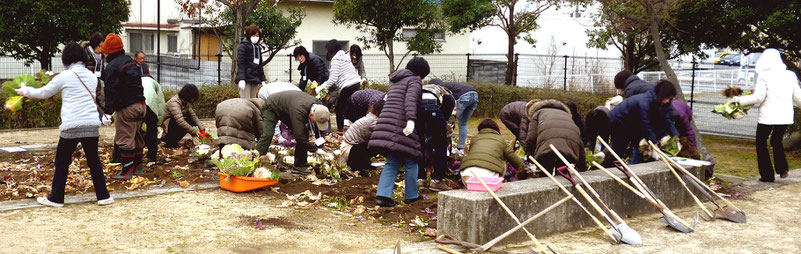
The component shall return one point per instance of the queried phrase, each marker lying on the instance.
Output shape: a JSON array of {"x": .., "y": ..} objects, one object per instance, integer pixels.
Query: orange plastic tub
[{"x": 243, "y": 183}]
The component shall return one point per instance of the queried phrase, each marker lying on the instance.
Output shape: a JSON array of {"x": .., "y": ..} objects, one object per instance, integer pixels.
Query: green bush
[{"x": 492, "y": 97}]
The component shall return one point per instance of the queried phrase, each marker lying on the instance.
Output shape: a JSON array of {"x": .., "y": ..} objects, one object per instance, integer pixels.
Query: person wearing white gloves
[
  {"x": 250, "y": 68},
  {"x": 394, "y": 136},
  {"x": 80, "y": 123},
  {"x": 776, "y": 91},
  {"x": 343, "y": 78}
]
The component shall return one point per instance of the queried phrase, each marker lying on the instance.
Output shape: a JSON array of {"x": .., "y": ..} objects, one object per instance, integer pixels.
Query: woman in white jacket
[
  {"x": 343, "y": 77},
  {"x": 80, "y": 123},
  {"x": 776, "y": 91}
]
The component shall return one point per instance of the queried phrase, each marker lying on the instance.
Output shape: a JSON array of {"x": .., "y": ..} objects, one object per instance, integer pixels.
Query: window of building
[
  {"x": 409, "y": 33},
  {"x": 172, "y": 43},
  {"x": 141, "y": 41},
  {"x": 318, "y": 48}
]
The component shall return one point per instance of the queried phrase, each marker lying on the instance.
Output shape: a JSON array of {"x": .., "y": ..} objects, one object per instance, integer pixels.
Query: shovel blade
[
  {"x": 730, "y": 214},
  {"x": 675, "y": 225},
  {"x": 626, "y": 234}
]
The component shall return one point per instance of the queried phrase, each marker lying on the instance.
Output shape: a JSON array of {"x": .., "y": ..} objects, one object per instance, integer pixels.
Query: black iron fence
[{"x": 701, "y": 82}]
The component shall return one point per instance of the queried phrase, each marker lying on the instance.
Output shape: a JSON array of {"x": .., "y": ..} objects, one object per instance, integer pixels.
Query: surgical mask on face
[{"x": 254, "y": 39}]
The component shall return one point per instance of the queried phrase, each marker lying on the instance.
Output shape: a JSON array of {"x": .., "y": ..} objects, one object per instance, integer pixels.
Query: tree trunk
[
  {"x": 628, "y": 57},
  {"x": 45, "y": 58},
  {"x": 239, "y": 21},
  {"x": 391, "y": 56},
  {"x": 511, "y": 33}
]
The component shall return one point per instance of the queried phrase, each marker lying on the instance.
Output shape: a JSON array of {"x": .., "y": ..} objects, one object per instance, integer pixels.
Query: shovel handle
[
  {"x": 508, "y": 211},
  {"x": 687, "y": 172},
  {"x": 641, "y": 185},
  {"x": 598, "y": 209},
  {"x": 672, "y": 170},
  {"x": 491, "y": 243},
  {"x": 636, "y": 192}
]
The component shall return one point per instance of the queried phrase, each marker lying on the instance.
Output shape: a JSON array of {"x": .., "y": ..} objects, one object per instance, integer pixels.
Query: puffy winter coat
[
  {"x": 634, "y": 86},
  {"x": 178, "y": 110},
  {"x": 776, "y": 90},
  {"x": 514, "y": 116},
  {"x": 313, "y": 69},
  {"x": 239, "y": 122},
  {"x": 154, "y": 97},
  {"x": 274, "y": 88},
  {"x": 489, "y": 151},
  {"x": 246, "y": 68},
  {"x": 685, "y": 116},
  {"x": 123, "y": 82},
  {"x": 643, "y": 114},
  {"x": 403, "y": 97},
  {"x": 550, "y": 123},
  {"x": 342, "y": 73}
]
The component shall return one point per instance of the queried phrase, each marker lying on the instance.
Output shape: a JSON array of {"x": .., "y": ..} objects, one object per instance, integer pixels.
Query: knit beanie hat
[
  {"x": 419, "y": 67},
  {"x": 112, "y": 44},
  {"x": 621, "y": 77},
  {"x": 664, "y": 89}
]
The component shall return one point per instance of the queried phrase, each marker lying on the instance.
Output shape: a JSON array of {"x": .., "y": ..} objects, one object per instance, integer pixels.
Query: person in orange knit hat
[{"x": 124, "y": 95}]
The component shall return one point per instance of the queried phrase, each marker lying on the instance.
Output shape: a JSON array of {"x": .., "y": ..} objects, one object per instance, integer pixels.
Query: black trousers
[
  {"x": 776, "y": 133},
  {"x": 341, "y": 104},
  {"x": 175, "y": 132},
  {"x": 433, "y": 138},
  {"x": 359, "y": 157},
  {"x": 63, "y": 160},
  {"x": 151, "y": 135}
]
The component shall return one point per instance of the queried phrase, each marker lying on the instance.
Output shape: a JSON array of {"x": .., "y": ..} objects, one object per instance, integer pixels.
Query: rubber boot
[
  {"x": 140, "y": 165},
  {"x": 128, "y": 165},
  {"x": 115, "y": 156}
]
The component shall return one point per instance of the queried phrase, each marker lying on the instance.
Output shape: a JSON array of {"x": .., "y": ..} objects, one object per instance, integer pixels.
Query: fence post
[
  {"x": 219, "y": 69},
  {"x": 692, "y": 87},
  {"x": 517, "y": 58},
  {"x": 290, "y": 67},
  {"x": 565, "y": 73},
  {"x": 467, "y": 73}
]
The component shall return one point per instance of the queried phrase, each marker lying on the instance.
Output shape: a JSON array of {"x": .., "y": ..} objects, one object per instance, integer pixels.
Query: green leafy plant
[
  {"x": 14, "y": 101},
  {"x": 235, "y": 161}
]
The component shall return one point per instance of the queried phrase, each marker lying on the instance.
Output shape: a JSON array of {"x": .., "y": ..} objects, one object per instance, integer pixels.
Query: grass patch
[{"x": 737, "y": 156}]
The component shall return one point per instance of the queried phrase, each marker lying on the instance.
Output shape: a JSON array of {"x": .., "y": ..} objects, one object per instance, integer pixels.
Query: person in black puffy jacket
[
  {"x": 311, "y": 67},
  {"x": 250, "y": 68},
  {"x": 125, "y": 96}
]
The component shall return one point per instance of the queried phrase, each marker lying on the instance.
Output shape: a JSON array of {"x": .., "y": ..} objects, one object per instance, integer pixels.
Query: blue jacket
[
  {"x": 634, "y": 86},
  {"x": 643, "y": 114}
]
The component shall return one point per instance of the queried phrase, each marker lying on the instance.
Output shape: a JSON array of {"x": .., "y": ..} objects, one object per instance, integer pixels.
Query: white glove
[
  {"x": 409, "y": 128},
  {"x": 654, "y": 154},
  {"x": 263, "y": 84},
  {"x": 23, "y": 90},
  {"x": 678, "y": 146},
  {"x": 195, "y": 131},
  {"x": 241, "y": 85},
  {"x": 106, "y": 120},
  {"x": 318, "y": 89}
]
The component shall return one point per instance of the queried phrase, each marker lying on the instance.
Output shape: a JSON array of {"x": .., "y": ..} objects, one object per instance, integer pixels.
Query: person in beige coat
[
  {"x": 551, "y": 123},
  {"x": 180, "y": 118},
  {"x": 239, "y": 122}
]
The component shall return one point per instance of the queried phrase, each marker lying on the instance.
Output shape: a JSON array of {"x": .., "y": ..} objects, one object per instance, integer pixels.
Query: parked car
[
  {"x": 719, "y": 56},
  {"x": 731, "y": 59}
]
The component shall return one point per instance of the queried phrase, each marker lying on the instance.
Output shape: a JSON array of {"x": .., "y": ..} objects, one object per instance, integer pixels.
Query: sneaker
[
  {"x": 301, "y": 170},
  {"x": 412, "y": 200},
  {"x": 437, "y": 186},
  {"x": 46, "y": 202},
  {"x": 785, "y": 175},
  {"x": 420, "y": 182},
  {"x": 105, "y": 202}
]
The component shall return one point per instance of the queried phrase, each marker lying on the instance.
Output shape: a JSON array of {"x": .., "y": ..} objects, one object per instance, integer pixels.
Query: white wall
[{"x": 145, "y": 12}]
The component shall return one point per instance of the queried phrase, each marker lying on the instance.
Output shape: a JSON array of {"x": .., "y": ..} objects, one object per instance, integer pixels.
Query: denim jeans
[
  {"x": 390, "y": 172},
  {"x": 464, "y": 109}
]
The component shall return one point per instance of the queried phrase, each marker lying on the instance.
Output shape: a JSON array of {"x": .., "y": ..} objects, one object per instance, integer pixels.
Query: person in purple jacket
[
  {"x": 685, "y": 116},
  {"x": 360, "y": 102}
]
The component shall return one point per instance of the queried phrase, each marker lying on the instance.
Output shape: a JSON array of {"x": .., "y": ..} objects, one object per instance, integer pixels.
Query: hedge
[{"x": 492, "y": 97}]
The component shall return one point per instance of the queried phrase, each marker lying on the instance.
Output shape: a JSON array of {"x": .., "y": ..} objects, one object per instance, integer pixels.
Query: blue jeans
[
  {"x": 464, "y": 109},
  {"x": 390, "y": 172}
]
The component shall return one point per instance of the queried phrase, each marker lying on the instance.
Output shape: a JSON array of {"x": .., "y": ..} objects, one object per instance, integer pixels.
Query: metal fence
[{"x": 700, "y": 82}]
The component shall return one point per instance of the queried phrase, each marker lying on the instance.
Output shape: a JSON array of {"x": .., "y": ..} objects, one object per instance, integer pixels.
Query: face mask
[{"x": 254, "y": 39}]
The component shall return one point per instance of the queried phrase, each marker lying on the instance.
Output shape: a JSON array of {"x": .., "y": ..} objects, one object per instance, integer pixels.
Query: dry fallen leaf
[{"x": 184, "y": 184}]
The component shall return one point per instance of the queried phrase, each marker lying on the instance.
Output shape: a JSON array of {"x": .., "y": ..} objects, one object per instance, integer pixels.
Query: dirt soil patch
[{"x": 30, "y": 174}]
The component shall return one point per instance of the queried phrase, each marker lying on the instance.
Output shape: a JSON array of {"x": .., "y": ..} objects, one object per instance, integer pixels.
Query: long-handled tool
[
  {"x": 622, "y": 230},
  {"x": 492, "y": 242},
  {"x": 672, "y": 170},
  {"x": 511, "y": 214},
  {"x": 670, "y": 218},
  {"x": 580, "y": 190},
  {"x": 447, "y": 240},
  {"x": 729, "y": 212}
]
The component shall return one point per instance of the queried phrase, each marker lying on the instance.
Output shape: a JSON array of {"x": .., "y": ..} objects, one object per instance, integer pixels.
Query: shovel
[
  {"x": 729, "y": 212},
  {"x": 622, "y": 231},
  {"x": 672, "y": 170},
  {"x": 669, "y": 217},
  {"x": 581, "y": 190}
]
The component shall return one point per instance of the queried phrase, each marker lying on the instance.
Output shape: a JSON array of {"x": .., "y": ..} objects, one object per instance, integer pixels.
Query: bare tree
[{"x": 517, "y": 25}]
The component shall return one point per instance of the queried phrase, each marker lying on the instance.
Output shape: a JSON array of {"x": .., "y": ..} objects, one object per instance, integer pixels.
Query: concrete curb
[{"x": 90, "y": 197}]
